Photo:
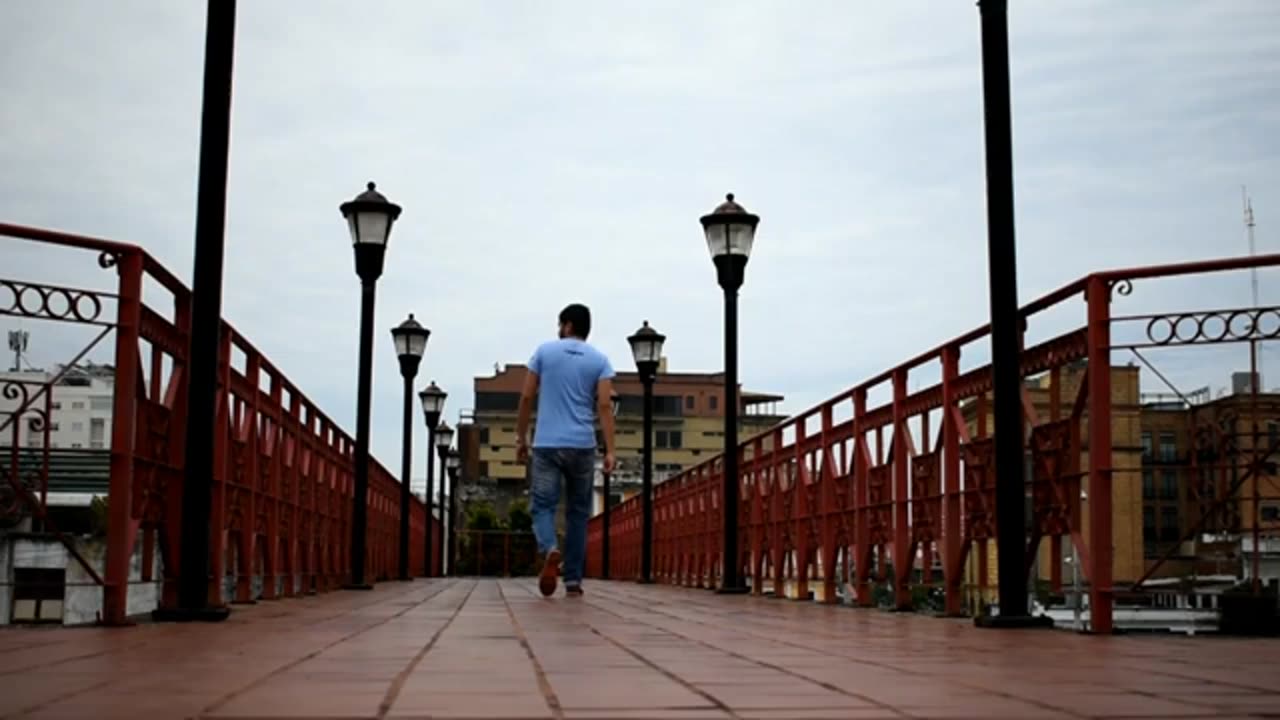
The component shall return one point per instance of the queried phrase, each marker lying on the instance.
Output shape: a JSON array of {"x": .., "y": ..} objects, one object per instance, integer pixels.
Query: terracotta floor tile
[{"x": 624, "y": 652}]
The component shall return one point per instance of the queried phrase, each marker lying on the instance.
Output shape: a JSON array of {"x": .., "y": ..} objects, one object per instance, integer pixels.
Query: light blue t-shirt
[{"x": 568, "y": 370}]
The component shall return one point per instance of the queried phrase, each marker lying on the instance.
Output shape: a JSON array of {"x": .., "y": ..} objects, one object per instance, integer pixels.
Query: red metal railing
[
  {"x": 282, "y": 471},
  {"x": 852, "y": 490}
]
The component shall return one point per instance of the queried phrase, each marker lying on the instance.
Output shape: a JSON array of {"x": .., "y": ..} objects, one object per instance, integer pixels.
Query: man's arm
[
  {"x": 526, "y": 409},
  {"x": 604, "y": 408}
]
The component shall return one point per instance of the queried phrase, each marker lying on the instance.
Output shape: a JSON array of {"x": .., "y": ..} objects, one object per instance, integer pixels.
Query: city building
[
  {"x": 1176, "y": 459},
  {"x": 80, "y": 407},
  {"x": 688, "y": 427}
]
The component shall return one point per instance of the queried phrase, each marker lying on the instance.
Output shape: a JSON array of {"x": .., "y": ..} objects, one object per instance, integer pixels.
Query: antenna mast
[
  {"x": 18, "y": 344},
  {"x": 1248, "y": 229}
]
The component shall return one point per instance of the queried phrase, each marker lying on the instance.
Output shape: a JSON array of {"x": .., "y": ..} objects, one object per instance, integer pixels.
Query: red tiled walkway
[{"x": 495, "y": 649}]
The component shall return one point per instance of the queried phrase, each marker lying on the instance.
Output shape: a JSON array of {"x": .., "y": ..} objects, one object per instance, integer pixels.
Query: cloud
[{"x": 564, "y": 151}]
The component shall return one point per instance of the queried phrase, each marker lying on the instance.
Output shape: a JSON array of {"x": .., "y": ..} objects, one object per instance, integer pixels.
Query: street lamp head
[
  {"x": 432, "y": 404},
  {"x": 411, "y": 342},
  {"x": 444, "y": 438},
  {"x": 370, "y": 216},
  {"x": 730, "y": 232},
  {"x": 453, "y": 463},
  {"x": 646, "y": 348}
]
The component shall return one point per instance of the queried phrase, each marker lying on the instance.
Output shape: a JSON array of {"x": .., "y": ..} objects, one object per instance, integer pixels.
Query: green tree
[
  {"x": 482, "y": 516},
  {"x": 519, "y": 519}
]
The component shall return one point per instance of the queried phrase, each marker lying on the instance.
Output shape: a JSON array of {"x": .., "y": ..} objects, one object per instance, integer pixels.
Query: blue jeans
[{"x": 575, "y": 468}]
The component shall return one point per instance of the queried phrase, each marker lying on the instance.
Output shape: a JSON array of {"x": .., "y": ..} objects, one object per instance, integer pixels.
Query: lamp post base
[
  {"x": 1014, "y": 622},
  {"x": 204, "y": 614},
  {"x": 357, "y": 586}
]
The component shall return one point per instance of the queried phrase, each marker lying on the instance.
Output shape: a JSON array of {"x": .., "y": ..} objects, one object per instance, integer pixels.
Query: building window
[
  {"x": 1170, "y": 485},
  {"x": 1270, "y": 513},
  {"x": 76, "y": 446},
  {"x": 484, "y": 435},
  {"x": 101, "y": 402},
  {"x": 668, "y": 405},
  {"x": 95, "y": 444},
  {"x": 669, "y": 439},
  {"x": 1148, "y": 524},
  {"x": 1148, "y": 485},
  {"x": 77, "y": 427},
  {"x": 1146, "y": 446},
  {"x": 497, "y": 401},
  {"x": 77, "y": 405},
  {"x": 690, "y": 402},
  {"x": 1168, "y": 447},
  {"x": 1169, "y": 530},
  {"x": 38, "y": 594},
  {"x": 56, "y": 405},
  {"x": 713, "y": 402},
  {"x": 97, "y": 431},
  {"x": 1273, "y": 433}
]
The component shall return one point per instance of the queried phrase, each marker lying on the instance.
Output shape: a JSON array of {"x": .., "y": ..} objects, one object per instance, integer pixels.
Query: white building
[{"x": 81, "y": 408}]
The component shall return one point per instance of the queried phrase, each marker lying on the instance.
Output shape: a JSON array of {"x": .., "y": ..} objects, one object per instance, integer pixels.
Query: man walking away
[{"x": 573, "y": 382}]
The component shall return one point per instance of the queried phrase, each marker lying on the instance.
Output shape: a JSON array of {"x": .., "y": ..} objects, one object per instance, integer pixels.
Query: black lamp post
[
  {"x": 646, "y": 346},
  {"x": 444, "y": 439},
  {"x": 432, "y": 405},
  {"x": 730, "y": 231},
  {"x": 608, "y": 477},
  {"x": 1006, "y": 374},
  {"x": 206, "y": 325},
  {"x": 454, "y": 466},
  {"x": 411, "y": 342},
  {"x": 370, "y": 217}
]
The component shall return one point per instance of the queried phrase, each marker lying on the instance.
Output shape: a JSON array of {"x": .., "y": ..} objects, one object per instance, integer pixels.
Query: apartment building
[{"x": 688, "y": 425}]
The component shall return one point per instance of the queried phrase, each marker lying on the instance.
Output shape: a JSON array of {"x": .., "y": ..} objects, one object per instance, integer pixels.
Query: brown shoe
[{"x": 550, "y": 574}]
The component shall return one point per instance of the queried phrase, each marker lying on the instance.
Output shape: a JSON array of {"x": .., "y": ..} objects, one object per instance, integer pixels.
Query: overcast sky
[{"x": 553, "y": 152}]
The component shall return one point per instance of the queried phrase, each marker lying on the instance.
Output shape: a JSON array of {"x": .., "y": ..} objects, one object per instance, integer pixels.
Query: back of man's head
[{"x": 577, "y": 318}]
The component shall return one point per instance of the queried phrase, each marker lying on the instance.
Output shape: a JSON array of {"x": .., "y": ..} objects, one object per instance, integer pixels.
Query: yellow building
[
  {"x": 1174, "y": 459},
  {"x": 688, "y": 424}
]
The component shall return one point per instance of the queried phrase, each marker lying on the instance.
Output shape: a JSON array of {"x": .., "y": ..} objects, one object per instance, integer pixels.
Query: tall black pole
[
  {"x": 1011, "y": 530},
  {"x": 646, "y": 485},
  {"x": 406, "y": 469},
  {"x": 360, "y": 509},
  {"x": 732, "y": 578},
  {"x": 426, "y": 498},
  {"x": 446, "y": 522},
  {"x": 604, "y": 521},
  {"x": 206, "y": 317},
  {"x": 453, "y": 518}
]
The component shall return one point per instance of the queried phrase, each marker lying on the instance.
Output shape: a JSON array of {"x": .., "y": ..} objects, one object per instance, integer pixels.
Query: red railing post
[
  {"x": 862, "y": 531},
  {"x": 800, "y": 512},
  {"x": 828, "y": 507},
  {"x": 903, "y": 563},
  {"x": 1098, "y": 295},
  {"x": 953, "y": 543},
  {"x": 221, "y": 449},
  {"x": 121, "y": 525}
]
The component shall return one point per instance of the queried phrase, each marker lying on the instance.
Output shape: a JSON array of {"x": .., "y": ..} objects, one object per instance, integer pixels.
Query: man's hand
[
  {"x": 522, "y": 452},
  {"x": 610, "y": 462}
]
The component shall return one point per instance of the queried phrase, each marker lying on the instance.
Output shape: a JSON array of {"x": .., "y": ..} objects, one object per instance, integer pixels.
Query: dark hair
[{"x": 579, "y": 317}]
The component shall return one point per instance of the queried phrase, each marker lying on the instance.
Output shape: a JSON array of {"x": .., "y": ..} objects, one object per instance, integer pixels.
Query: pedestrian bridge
[
  {"x": 467, "y": 648},
  {"x": 879, "y": 495}
]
